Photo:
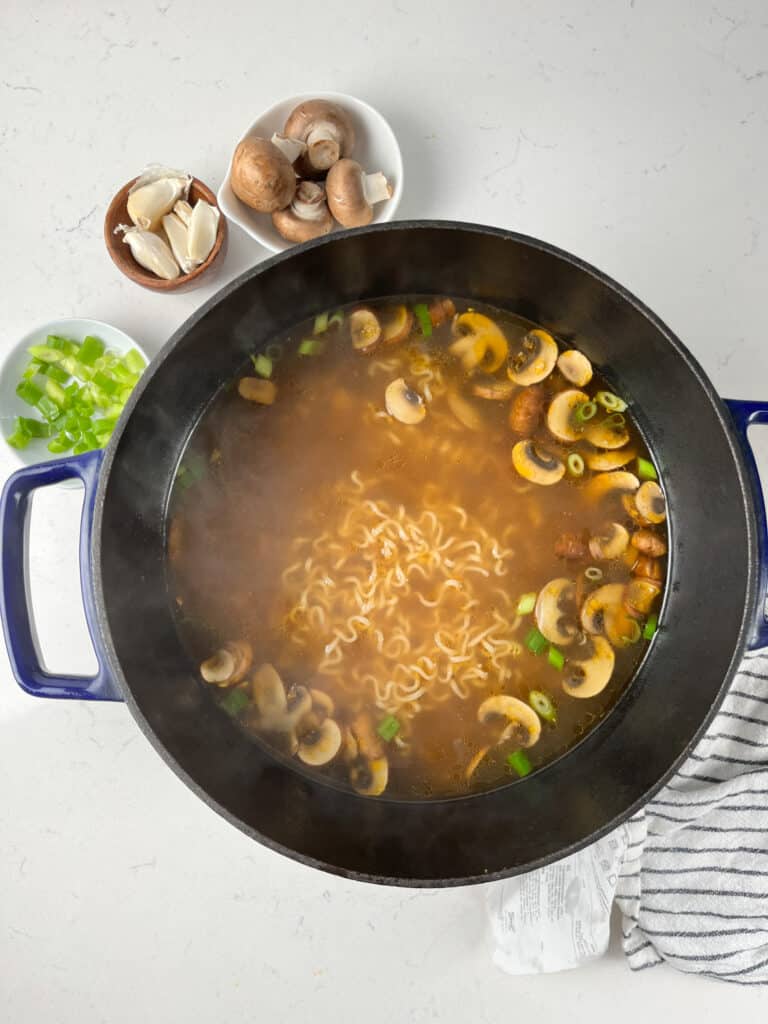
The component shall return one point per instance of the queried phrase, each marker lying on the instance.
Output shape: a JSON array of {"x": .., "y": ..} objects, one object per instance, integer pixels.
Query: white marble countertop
[{"x": 632, "y": 132}]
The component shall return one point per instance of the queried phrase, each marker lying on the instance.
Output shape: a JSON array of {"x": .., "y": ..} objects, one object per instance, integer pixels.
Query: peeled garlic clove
[
  {"x": 150, "y": 252},
  {"x": 154, "y": 172},
  {"x": 148, "y": 205},
  {"x": 178, "y": 237},
  {"x": 203, "y": 225},
  {"x": 183, "y": 211}
]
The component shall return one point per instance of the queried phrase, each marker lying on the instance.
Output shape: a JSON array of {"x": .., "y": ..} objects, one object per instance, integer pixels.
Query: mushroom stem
[
  {"x": 291, "y": 149},
  {"x": 309, "y": 201},
  {"x": 376, "y": 188}
]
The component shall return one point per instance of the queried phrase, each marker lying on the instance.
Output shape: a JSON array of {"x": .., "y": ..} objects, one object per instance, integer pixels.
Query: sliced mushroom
[
  {"x": 396, "y": 325},
  {"x": 575, "y": 367},
  {"x": 603, "y": 461},
  {"x": 650, "y": 502},
  {"x": 588, "y": 676},
  {"x": 613, "y": 483},
  {"x": 441, "y": 310},
  {"x": 570, "y": 546},
  {"x": 369, "y": 777},
  {"x": 405, "y": 404},
  {"x": 610, "y": 543},
  {"x": 298, "y": 704},
  {"x": 307, "y": 216},
  {"x": 325, "y": 128},
  {"x": 322, "y": 703},
  {"x": 534, "y": 360},
  {"x": 640, "y": 596},
  {"x": 525, "y": 409},
  {"x": 516, "y": 720},
  {"x": 599, "y": 605},
  {"x": 537, "y": 465},
  {"x": 229, "y": 665},
  {"x": 480, "y": 342},
  {"x": 320, "y": 744},
  {"x": 648, "y": 568},
  {"x": 556, "y": 613},
  {"x": 561, "y": 415},
  {"x": 261, "y": 176},
  {"x": 649, "y": 543},
  {"x": 352, "y": 193},
  {"x": 493, "y": 389},
  {"x": 255, "y": 389},
  {"x": 365, "y": 329},
  {"x": 269, "y": 695},
  {"x": 608, "y": 433},
  {"x": 464, "y": 411}
]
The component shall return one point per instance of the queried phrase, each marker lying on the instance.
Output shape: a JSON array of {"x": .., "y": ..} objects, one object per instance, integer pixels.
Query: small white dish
[
  {"x": 376, "y": 149},
  {"x": 17, "y": 360}
]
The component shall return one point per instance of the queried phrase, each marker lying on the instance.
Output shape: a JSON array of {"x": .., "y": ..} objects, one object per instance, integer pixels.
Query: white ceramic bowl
[
  {"x": 376, "y": 149},
  {"x": 16, "y": 361}
]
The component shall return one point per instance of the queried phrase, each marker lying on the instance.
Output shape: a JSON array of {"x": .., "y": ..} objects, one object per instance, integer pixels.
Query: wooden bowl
[{"x": 121, "y": 253}]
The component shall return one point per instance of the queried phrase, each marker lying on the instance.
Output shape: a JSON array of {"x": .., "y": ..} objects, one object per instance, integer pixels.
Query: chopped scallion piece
[
  {"x": 60, "y": 443},
  {"x": 526, "y": 604},
  {"x": 235, "y": 702},
  {"x": 44, "y": 354},
  {"x": 594, "y": 573},
  {"x": 33, "y": 428},
  {"x": 29, "y": 392},
  {"x": 19, "y": 439},
  {"x": 388, "y": 728},
  {"x": 518, "y": 760},
  {"x": 321, "y": 323},
  {"x": 311, "y": 347},
  {"x": 556, "y": 658},
  {"x": 543, "y": 705},
  {"x": 584, "y": 412},
  {"x": 575, "y": 464},
  {"x": 610, "y": 401},
  {"x": 274, "y": 351},
  {"x": 651, "y": 626},
  {"x": 55, "y": 392},
  {"x": 90, "y": 350},
  {"x": 262, "y": 365},
  {"x": 425, "y": 320},
  {"x": 57, "y": 373},
  {"x": 107, "y": 384},
  {"x": 646, "y": 469},
  {"x": 337, "y": 319},
  {"x": 48, "y": 408},
  {"x": 616, "y": 420},
  {"x": 134, "y": 361},
  {"x": 536, "y": 641}
]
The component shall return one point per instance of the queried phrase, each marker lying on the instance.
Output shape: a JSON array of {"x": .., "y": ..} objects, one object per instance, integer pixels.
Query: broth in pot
[{"x": 417, "y": 546}]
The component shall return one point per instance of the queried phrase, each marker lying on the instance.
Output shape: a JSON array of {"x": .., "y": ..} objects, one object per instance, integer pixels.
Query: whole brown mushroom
[
  {"x": 352, "y": 193},
  {"x": 262, "y": 176},
  {"x": 308, "y": 215},
  {"x": 326, "y": 130}
]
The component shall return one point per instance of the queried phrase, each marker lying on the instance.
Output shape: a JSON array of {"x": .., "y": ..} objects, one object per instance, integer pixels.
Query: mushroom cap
[
  {"x": 229, "y": 665},
  {"x": 346, "y": 194},
  {"x": 561, "y": 419},
  {"x": 604, "y": 461},
  {"x": 640, "y": 595},
  {"x": 536, "y": 465},
  {"x": 365, "y": 329},
  {"x": 534, "y": 360},
  {"x": 480, "y": 341},
  {"x": 610, "y": 543},
  {"x": 575, "y": 367},
  {"x": 326, "y": 129},
  {"x": 320, "y": 745},
  {"x": 396, "y": 324},
  {"x": 608, "y": 433},
  {"x": 261, "y": 176},
  {"x": 614, "y": 482},
  {"x": 522, "y": 723},
  {"x": 556, "y": 613},
  {"x": 598, "y": 606},
  {"x": 650, "y": 502},
  {"x": 405, "y": 404},
  {"x": 308, "y": 215},
  {"x": 586, "y": 677},
  {"x": 369, "y": 778}
]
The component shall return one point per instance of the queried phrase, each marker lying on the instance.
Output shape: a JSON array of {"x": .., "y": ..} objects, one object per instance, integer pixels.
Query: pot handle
[
  {"x": 745, "y": 415},
  {"x": 18, "y": 625}
]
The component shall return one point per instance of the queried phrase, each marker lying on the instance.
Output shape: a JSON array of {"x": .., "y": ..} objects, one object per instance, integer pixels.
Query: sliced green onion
[
  {"x": 50, "y": 411},
  {"x": 55, "y": 392},
  {"x": 337, "y": 319},
  {"x": 235, "y": 702},
  {"x": 60, "y": 443},
  {"x": 19, "y": 439},
  {"x": 425, "y": 320},
  {"x": 134, "y": 361},
  {"x": 584, "y": 412},
  {"x": 262, "y": 365},
  {"x": 62, "y": 344},
  {"x": 646, "y": 470},
  {"x": 575, "y": 464},
  {"x": 44, "y": 354},
  {"x": 33, "y": 428},
  {"x": 543, "y": 705},
  {"x": 274, "y": 351},
  {"x": 90, "y": 350},
  {"x": 518, "y": 760},
  {"x": 556, "y": 658},
  {"x": 526, "y": 604},
  {"x": 651, "y": 626},
  {"x": 592, "y": 572},
  {"x": 388, "y": 728},
  {"x": 57, "y": 373},
  {"x": 321, "y": 324},
  {"x": 610, "y": 401},
  {"x": 536, "y": 641},
  {"x": 29, "y": 392},
  {"x": 106, "y": 383},
  {"x": 311, "y": 347},
  {"x": 616, "y": 419},
  {"x": 35, "y": 368}
]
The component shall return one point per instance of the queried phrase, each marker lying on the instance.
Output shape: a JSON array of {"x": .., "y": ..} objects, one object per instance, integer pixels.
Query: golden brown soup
[{"x": 417, "y": 547}]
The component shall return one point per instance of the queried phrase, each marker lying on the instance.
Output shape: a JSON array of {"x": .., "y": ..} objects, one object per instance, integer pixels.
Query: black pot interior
[{"x": 709, "y": 596}]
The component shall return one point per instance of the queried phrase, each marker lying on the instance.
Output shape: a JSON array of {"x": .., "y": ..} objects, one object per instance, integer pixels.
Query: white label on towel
[{"x": 559, "y": 916}]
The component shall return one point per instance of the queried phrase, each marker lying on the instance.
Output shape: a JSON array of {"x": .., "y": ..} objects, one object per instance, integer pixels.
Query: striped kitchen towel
[{"x": 693, "y": 887}]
